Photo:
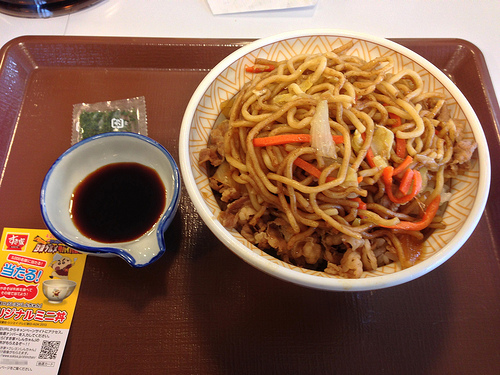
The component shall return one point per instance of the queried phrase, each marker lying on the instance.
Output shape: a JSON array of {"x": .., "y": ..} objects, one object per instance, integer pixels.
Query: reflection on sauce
[{"x": 118, "y": 202}]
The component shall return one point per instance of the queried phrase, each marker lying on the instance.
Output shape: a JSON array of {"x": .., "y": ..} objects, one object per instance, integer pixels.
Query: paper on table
[
  {"x": 39, "y": 284},
  {"x": 239, "y": 6}
]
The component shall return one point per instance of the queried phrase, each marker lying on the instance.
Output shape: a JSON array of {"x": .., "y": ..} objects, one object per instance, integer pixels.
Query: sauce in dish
[{"x": 118, "y": 202}]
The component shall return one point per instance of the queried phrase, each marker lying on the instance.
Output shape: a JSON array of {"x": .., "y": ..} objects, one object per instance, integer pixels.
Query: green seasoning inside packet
[{"x": 125, "y": 115}]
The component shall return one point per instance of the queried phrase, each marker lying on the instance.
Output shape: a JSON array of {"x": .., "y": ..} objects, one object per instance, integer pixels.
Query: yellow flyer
[{"x": 39, "y": 283}]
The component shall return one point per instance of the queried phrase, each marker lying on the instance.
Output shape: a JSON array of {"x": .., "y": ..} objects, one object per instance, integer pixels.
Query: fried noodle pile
[{"x": 335, "y": 164}]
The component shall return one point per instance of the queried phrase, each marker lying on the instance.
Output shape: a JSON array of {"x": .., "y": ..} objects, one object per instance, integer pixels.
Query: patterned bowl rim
[{"x": 290, "y": 273}]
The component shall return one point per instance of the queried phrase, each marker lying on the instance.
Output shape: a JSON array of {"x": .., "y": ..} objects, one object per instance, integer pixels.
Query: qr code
[{"x": 49, "y": 349}]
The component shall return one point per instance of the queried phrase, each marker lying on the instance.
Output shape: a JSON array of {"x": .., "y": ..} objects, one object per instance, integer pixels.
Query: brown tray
[{"x": 200, "y": 309}]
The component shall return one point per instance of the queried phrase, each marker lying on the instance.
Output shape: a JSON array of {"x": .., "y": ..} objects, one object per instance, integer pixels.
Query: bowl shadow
[
  {"x": 253, "y": 323},
  {"x": 132, "y": 287}
]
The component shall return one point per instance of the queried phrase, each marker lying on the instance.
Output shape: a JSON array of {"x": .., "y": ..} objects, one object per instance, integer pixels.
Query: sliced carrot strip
[
  {"x": 400, "y": 147},
  {"x": 401, "y": 167},
  {"x": 259, "y": 68},
  {"x": 387, "y": 179},
  {"x": 281, "y": 139},
  {"x": 369, "y": 154},
  {"x": 338, "y": 138},
  {"x": 405, "y": 184},
  {"x": 361, "y": 204},
  {"x": 424, "y": 222},
  {"x": 309, "y": 168},
  {"x": 395, "y": 117},
  {"x": 387, "y": 174},
  {"x": 289, "y": 138},
  {"x": 369, "y": 158}
]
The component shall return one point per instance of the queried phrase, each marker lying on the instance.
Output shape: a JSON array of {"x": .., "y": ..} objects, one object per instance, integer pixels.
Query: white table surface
[{"x": 476, "y": 21}]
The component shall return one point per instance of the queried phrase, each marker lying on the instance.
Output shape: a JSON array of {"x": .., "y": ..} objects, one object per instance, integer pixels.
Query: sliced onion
[{"x": 321, "y": 136}]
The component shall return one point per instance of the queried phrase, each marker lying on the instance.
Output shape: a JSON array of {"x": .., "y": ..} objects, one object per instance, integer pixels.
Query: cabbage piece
[
  {"x": 321, "y": 135},
  {"x": 351, "y": 178},
  {"x": 380, "y": 162},
  {"x": 283, "y": 98},
  {"x": 381, "y": 145},
  {"x": 357, "y": 141},
  {"x": 294, "y": 91},
  {"x": 306, "y": 85},
  {"x": 382, "y": 142}
]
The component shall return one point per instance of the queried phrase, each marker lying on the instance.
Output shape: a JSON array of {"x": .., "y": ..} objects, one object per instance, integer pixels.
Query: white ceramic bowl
[
  {"x": 470, "y": 191},
  {"x": 57, "y": 290},
  {"x": 89, "y": 155}
]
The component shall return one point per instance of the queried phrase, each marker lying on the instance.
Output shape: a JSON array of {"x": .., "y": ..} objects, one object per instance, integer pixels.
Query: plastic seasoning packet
[{"x": 125, "y": 115}]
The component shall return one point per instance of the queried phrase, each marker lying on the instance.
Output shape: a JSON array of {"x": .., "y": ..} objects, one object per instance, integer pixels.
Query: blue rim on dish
[{"x": 161, "y": 226}]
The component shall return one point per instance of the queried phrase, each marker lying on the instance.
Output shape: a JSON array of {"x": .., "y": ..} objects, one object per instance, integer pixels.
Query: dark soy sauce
[{"x": 118, "y": 202}]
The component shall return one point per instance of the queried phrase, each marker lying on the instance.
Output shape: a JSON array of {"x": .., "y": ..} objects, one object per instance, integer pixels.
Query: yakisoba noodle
[{"x": 333, "y": 163}]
